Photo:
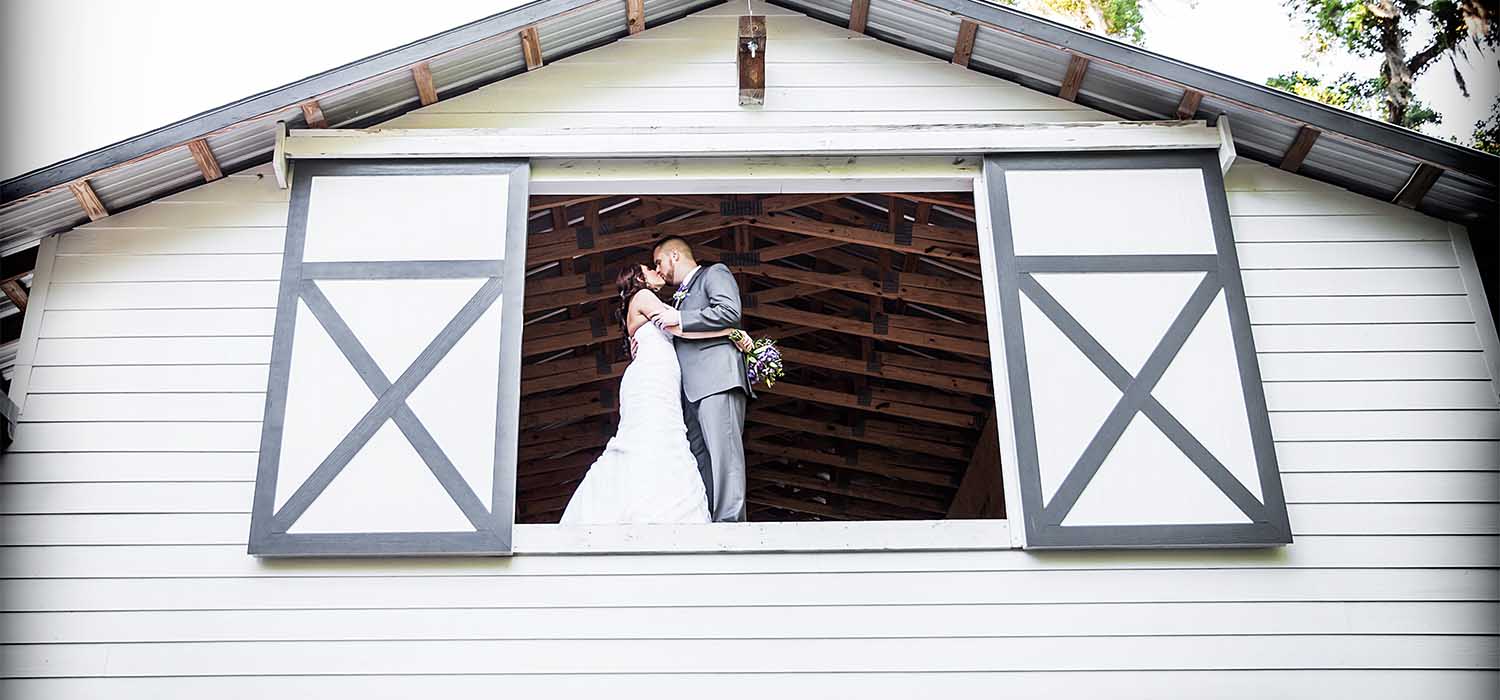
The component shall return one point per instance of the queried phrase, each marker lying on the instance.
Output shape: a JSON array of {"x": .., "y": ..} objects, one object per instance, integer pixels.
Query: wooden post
[
  {"x": 752, "y": 60},
  {"x": 980, "y": 493}
]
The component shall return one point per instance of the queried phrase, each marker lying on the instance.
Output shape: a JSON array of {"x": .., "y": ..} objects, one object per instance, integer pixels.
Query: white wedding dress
[{"x": 647, "y": 473}]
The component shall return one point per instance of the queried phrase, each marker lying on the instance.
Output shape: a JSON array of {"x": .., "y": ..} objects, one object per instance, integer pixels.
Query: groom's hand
[{"x": 667, "y": 318}]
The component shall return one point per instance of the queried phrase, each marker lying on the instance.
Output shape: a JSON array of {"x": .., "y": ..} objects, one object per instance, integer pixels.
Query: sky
[{"x": 94, "y": 72}]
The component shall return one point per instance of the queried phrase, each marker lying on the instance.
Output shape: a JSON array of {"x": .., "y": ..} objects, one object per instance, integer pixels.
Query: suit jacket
[{"x": 710, "y": 365}]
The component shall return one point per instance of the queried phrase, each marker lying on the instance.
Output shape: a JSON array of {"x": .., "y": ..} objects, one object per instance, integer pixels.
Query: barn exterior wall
[{"x": 125, "y": 504}]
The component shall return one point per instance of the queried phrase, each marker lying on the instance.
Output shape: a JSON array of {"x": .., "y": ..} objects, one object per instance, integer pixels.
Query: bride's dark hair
[{"x": 630, "y": 279}]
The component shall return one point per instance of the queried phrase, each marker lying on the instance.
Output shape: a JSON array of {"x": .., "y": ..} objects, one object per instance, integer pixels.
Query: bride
[{"x": 647, "y": 473}]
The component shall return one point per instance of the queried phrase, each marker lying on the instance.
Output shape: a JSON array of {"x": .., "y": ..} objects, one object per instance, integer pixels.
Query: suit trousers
[{"x": 716, "y": 428}]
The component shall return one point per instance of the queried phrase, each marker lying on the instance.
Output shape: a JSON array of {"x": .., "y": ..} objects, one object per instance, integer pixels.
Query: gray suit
[{"x": 714, "y": 389}]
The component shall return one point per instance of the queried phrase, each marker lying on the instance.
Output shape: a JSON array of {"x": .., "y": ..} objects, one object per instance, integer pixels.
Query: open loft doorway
[{"x": 886, "y": 410}]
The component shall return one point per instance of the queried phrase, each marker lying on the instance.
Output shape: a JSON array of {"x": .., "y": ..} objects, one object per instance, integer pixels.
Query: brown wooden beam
[
  {"x": 13, "y": 288},
  {"x": 859, "y": 14},
  {"x": 421, "y": 74},
  {"x": 1422, "y": 180},
  {"x": 312, "y": 113},
  {"x": 865, "y": 435},
  {"x": 869, "y": 329},
  {"x": 531, "y": 48},
  {"x": 635, "y": 16},
  {"x": 1073, "y": 79},
  {"x": 840, "y": 399},
  {"x": 955, "y": 201},
  {"x": 890, "y": 287},
  {"x": 751, "y": 60},
  {"x": 799, "y": 506},
  {"x": 963, "y": 47},
  {"x": 921, "y": 242},
  {"x": 204, "y": 157},
  {"x": 1306, "y": 137},
  {"x": 541, "y": 202},
  {"x": 864, "y": 461},
  {"x": 812, "y": 482},
  {"x": 84, "y": 193},
  {"x": 957, "y": 368},
  {"x": 1188, "y": 105},
  {"x": 564, "y": 246},
  {"x": 875, "y": 368},
  {"x": 786, "y": 202}
]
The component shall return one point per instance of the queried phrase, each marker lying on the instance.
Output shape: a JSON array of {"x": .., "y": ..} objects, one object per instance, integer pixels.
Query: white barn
[{"x": 1109, "y": 374}]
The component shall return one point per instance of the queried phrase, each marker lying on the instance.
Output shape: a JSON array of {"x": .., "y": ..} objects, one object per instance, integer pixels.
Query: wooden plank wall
[{"x": 124, "y": 512}]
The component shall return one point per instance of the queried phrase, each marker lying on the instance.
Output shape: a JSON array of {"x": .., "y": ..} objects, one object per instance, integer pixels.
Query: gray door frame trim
[
  {"x": 503, "y": 284},
  {"x": 1043, "y": 526}
]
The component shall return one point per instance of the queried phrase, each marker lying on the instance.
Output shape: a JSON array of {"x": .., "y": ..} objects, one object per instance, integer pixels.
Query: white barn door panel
[
  {"x": 391, "y": 410},
  {"x": 1135, "y": 399}
]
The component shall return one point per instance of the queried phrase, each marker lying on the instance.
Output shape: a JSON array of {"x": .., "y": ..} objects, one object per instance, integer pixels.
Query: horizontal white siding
[{"x": 124, "y": 500}]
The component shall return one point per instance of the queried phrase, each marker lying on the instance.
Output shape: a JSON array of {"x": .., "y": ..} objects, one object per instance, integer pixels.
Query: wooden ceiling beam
[
  {"x": 1306, "y": 137},
  {"x": 787, "y": 202},
  {"x": 838, "y": 399},
  {"x": 876, "y": 330},
  {"x": 888, "y": 287},
  {"x": 1078, "y": 66},
  {"x": 875, "y": 368},
  {"x": 956, "y": 201},
  {"x": 84, "y": 193},
  {"x": 918, "y": 245},
  {"x": 864, "y": 461},
  {"x": 557, "y": 247},
  {"x": 204, "y": 157},
  {"x": 784, "y": 477},
  {"x": 540, "y": 202},
  {"x": 800, "y": 506},
  {"x": 858, "y": 434}
]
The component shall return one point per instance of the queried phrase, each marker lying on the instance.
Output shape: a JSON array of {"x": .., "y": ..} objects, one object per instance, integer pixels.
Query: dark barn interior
[{"x": 886, "y": 410}]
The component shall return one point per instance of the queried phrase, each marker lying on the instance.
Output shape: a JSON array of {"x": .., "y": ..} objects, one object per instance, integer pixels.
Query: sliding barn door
[
  {"x": 1135, "y": 400},
  {"x": 392, "y": 404}
]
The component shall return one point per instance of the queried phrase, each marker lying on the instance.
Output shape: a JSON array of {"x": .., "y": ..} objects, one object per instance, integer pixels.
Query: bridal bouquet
[{"x": 762, "y": 362}]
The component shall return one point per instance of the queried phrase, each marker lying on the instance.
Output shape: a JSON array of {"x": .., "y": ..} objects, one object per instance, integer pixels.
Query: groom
[{"x": 714, "y": 387}]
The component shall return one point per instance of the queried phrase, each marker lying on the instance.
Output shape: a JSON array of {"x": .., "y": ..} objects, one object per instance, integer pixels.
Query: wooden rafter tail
[
  {"x": 84, "y": 193},
  {"x": 859, "y": 15},
  {"x": 1187, "y": 106},
  {"x": 531, "y": 48},
  {"x": 1306, "y": 137},
  {"x": 421, "y": 74},
  {"x": 312, "y": 113},
  {"x": 635, "y": 16},
  {"x": 1422, "y": 180},
  {"x": 1078, "y": 66},
  {"x": 963, "y": 47},
  {"x": 204, "y": 157}
]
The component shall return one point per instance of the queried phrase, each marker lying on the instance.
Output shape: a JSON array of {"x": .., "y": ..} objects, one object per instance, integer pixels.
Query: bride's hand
[{"x": 746, "y": 343}]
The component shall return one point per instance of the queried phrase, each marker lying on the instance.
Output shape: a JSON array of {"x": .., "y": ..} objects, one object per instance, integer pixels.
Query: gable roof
[{"x": 1355, "y": 152}]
